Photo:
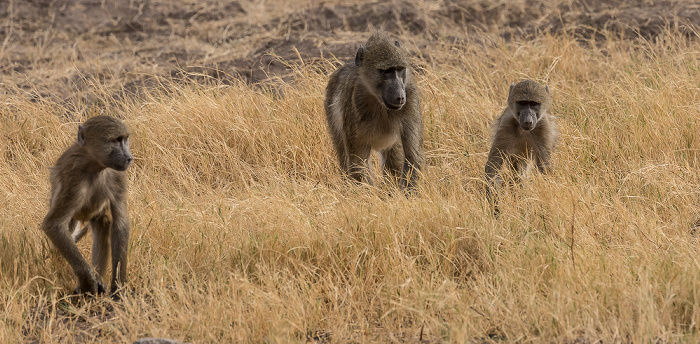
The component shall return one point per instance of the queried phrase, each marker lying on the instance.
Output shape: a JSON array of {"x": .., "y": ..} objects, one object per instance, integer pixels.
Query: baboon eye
[
  {"x": 531, "y": 104},
  {"x": 392, "y": 70}
]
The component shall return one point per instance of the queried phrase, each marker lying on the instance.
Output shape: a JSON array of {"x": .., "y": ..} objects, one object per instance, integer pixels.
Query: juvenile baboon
[
  {"x": 525, "y": 132},
  {"x": 372, "y": 104},
  {"x": 88, "y": 185}
]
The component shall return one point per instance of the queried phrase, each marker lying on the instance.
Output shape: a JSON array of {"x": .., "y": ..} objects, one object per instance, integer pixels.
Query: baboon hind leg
[{"x": 120, "y": 245}]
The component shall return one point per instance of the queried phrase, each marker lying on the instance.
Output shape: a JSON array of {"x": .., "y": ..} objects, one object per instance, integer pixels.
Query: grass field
[{"x": 243, "y": 230}]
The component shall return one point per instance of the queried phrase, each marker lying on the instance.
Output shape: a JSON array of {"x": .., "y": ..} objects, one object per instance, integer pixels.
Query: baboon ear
[
  {"x": 512, "y": 86},
  {"x": 396, "y": 43},
  {"x": 81, "y": 135},
  {"x": 359, "y": 56},
  {"x": 546, "y": 88}
]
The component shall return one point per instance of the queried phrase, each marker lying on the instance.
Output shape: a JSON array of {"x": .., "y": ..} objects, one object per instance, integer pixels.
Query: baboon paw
[
  {"x": 101, "y": 288},
  {"x": 116, "y": 296},
  {"x": 115, "y": 293},
  {"x": 97, "y": 289}
]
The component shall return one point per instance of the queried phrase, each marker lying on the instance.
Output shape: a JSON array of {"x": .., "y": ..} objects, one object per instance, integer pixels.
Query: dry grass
[{"x": 243, "y": 230}]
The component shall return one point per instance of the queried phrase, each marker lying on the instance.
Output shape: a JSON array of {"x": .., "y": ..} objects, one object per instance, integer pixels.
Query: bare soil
[{"x": 77, "y": 50}]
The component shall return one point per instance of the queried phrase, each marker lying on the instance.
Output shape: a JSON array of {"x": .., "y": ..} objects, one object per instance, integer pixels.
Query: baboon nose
[
  {"x": 394, "y": 100},
  {"x": 399, "y": 101}
]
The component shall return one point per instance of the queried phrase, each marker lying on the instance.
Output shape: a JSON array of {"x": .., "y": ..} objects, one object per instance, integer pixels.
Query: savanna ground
[{"x": 244, "y": 231}]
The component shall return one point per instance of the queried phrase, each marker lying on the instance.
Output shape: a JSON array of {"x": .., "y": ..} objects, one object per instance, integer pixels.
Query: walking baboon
[
  {"x": 372, "y": 104},
  {"x": 523, "y": 133},
  {"x": 88, "y": 185}
]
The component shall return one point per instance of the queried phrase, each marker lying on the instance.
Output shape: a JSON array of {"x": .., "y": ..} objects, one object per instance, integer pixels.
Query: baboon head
[
  {"x": 528, "y": 101},
  {"x": 384, "y": 70},
  {"x": 106, "y": 140}
]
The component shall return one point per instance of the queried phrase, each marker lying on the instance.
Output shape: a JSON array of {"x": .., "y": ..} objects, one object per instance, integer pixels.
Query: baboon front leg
[
  {"x": 413, "y": 152},
  {"x": 101, "y": 227},
  {"x": 358, "y": 168},
  {"x": 119, "y": 235},
  {"x": 57, "y": 231},
  {"x": 495, "y": 161},
  {"x": 393, "y": 161},
  {"x": 518, "y": 167},
  {"x": 542, "y": 162},
  {"x": 493, "y": 164}
]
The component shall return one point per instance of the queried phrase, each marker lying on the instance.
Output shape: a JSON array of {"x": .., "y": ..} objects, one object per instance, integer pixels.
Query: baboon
[
  {"x": 88, "y": 185},
  {"x": 523, "y": 133},
  {"x": 372, "y": 104}
]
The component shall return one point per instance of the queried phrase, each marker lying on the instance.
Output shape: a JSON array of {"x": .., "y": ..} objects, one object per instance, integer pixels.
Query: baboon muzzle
[
  {"x": 528, "y": 119},
  {"x": 394, "y": 88},
  {"x": 394, "y": 95}
]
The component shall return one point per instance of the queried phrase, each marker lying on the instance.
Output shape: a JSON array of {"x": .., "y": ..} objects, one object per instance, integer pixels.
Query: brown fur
[
  {"x": 364, "y": 112},
  {"x": 88, "y": 185},
  {"x": 516, "y": 147}
]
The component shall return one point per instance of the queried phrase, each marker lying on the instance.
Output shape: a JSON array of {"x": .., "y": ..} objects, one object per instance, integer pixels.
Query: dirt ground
[{"x": 80, "y": 50}]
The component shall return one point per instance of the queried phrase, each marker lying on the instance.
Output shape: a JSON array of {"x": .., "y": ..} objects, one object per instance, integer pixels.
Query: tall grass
[{"x": 243, "y": 230}]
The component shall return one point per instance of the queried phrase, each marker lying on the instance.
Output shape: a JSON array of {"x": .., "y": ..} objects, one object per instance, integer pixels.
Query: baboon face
[
  {"x": 119, "y": 157},
  {"x": 384, "y": 68},
  {"x": 107, "y": 141},
  {"x": 528, "y": 113},
  {"x": 528, "y": 101},
  {"x": 393, "y": 87}
]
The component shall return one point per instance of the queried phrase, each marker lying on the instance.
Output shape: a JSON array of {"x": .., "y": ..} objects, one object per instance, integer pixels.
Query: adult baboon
[
  {"x": 372, "y": 104},
  {"x": 524, "y": 132},
  {"x": 88, "y": 185}
]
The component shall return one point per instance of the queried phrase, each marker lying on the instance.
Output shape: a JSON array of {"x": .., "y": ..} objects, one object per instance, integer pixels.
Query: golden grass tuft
[{"x": 244, "y": 231}]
